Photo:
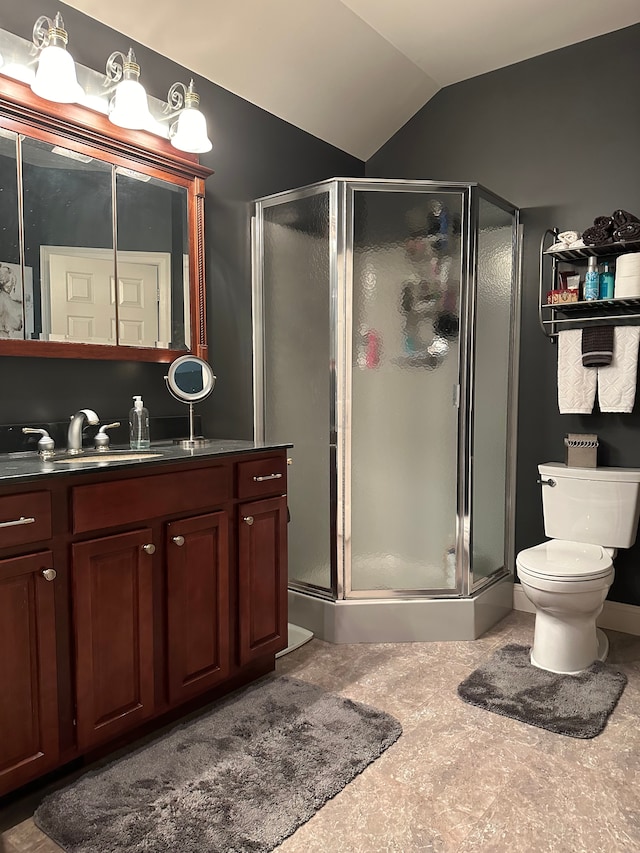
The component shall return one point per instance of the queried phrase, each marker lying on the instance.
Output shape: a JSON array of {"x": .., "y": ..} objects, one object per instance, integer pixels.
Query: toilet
[{"x": 589, "y": 513}]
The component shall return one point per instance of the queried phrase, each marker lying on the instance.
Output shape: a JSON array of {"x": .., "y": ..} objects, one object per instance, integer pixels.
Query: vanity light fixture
[
  {"x": 129, "y": 106},
  {"x": 189, "y": 132},
  {"x": 55, "y": 78}
]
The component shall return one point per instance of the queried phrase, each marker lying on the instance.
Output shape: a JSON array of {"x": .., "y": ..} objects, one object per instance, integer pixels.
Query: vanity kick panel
[
  {"x": 103, "y": 505},
  {"x": 25, "y": 518}
]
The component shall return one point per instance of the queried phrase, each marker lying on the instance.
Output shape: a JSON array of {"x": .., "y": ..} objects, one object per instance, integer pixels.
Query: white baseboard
[{"x": 615, "y": 616}]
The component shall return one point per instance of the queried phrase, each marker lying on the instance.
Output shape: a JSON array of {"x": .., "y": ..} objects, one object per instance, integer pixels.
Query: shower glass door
[
  {"x": 401, "y": 381},
  {"x": 294, "y": 374}
]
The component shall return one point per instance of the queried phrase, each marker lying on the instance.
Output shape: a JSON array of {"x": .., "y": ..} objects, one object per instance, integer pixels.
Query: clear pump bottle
[{"x": 139, "y": 426}]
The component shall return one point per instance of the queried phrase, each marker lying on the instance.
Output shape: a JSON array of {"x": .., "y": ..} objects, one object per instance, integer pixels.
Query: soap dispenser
[{"x": 139, "y": 426}]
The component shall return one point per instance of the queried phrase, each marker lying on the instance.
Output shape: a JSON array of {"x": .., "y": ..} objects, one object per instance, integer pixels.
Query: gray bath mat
[
  {"x": 574, "y": 705},
  {"x": 241, "y": 778}
]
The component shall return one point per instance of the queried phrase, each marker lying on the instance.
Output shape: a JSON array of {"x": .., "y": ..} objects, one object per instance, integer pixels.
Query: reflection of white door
[{"x": 79, "y": 297}]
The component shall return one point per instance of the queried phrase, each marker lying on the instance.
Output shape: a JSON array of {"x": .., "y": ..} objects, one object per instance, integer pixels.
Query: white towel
[
  {"x": 617, "y": 381},
  {"x": 576, "y": 383}
]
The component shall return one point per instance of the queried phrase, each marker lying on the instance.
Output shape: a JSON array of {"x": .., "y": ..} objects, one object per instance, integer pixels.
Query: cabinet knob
[
  {"x": 248, "y": 519},
  {"x": 49, "y": 574},
  {"x": 179, "y": 540},
  {"x": 149, "y": 549}
]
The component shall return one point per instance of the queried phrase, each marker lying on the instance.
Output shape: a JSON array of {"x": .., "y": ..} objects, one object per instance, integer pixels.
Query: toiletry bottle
[
  {"x": 139, "y": 426},
  {"x": 606, "y": 281},
  {"x": 591, "y": 283}
]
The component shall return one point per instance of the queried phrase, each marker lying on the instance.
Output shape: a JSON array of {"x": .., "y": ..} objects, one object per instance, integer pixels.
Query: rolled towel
[
  {"x": 604, "y": 222},
  {"x": 628, "y": 231},
  {"x": 597, "y": 346},
  {"x": 568, "y": 237},
  {"x": 596, "y": 236},
  {"x": 622, "y": 217}
]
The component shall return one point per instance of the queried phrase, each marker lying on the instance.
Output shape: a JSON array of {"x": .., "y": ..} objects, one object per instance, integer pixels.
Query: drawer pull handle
[
  {"x": 248, "y": 519},
  {"x": 149, "y": 549},
  {"x": 267, "y": 477},
  {"x": 49, "y": 574},
  {"x": 179, "y": 540},
  {"x": 21, "y": 520}
]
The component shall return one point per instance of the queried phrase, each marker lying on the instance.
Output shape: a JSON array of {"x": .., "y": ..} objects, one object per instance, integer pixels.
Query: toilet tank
[{"x": 595, "y": 505}]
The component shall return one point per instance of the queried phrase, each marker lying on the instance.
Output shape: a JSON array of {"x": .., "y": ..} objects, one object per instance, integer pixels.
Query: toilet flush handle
[{"x": 548, "y": 482}]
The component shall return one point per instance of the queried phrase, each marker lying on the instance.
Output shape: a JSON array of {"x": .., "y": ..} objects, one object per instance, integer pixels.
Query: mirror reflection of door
[{"x": 78, "y": 297}]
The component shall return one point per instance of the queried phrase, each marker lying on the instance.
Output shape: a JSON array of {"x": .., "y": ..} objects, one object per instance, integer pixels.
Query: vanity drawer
[
  {"x": 25, "y": 518},
  {"x": 261, "y": 477},
  {"x": 103, "y": 505}
]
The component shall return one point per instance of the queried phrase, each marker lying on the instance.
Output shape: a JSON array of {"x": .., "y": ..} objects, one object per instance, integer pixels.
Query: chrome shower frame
[{"x": 341, "y": 193}]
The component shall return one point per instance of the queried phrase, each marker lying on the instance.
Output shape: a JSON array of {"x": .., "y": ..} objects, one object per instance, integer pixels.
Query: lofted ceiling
[{"x": 352, "y": 72}]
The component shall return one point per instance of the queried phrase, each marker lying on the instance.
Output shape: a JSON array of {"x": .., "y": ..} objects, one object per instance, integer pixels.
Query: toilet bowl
[
  {"x": 589, "y": 513},
  {"x": 567, "y": 582}
]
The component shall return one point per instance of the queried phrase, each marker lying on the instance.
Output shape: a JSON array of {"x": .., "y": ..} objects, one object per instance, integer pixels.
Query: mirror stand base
[{"x": 192, "y": 443}]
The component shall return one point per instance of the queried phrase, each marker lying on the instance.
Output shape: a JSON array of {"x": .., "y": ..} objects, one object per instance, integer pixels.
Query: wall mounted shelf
[{"x": 572, "y": 315}]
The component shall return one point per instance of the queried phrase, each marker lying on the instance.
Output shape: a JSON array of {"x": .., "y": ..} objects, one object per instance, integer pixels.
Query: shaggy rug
[
  {"x": 573, "y": 705},
  {"x": 242, "y": 777}
]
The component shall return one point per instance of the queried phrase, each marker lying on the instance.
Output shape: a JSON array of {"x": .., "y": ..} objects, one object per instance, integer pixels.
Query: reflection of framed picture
[{"x": 16, "y": 302}]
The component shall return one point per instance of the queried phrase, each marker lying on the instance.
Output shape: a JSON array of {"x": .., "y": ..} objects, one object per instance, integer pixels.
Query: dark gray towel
[{"x": 597, "y": 346}]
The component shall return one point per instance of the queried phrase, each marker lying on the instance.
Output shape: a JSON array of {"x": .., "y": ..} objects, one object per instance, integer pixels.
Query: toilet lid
[{"x": 566, "y": 560}]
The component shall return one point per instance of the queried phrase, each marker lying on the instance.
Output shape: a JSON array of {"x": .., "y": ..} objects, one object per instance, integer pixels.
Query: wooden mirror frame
[{"x": 92, "y": 133}]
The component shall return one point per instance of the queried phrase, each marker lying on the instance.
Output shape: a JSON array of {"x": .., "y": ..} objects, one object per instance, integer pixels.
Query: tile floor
[{"x": 459, "y": 779}]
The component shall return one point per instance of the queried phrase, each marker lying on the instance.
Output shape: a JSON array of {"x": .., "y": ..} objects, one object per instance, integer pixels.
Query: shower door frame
[
  {"x": 463, "y": 191},
  {"x": 336, "y": 239},
  {"x": 340, "y": 191}
]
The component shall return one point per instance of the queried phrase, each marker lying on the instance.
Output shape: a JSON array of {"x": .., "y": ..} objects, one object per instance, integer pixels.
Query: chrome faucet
[{"x": 84, "y": 417}]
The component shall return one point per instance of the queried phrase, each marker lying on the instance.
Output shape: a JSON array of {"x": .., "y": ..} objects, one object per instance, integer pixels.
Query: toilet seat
[{"x": 565, "y": 562}]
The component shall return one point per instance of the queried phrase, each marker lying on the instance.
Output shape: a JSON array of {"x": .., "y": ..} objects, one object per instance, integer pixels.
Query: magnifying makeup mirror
[{"x": 190, "y": 379}]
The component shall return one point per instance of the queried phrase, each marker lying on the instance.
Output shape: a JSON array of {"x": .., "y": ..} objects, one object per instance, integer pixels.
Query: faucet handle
[
  {"x": 46, "y": 445},
  {"x": 101, "y": 440}
]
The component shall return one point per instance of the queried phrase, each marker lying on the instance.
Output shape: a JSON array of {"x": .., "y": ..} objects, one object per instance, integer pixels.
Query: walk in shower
[{"x": 385, "y": 346}]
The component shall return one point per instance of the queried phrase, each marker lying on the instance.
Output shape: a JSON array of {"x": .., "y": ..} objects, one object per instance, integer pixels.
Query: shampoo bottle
[
  {"x": 591, "y": 282},
  {"x": 139, "y": 426},
  {"x": 606, "y": 281}
]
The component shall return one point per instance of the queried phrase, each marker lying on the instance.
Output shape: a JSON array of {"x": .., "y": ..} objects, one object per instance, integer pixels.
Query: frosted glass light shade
[
  {"x": 56, "y": 76},
  {"x": 130, "y": 107},
  {"x": 189, "y": 133}
]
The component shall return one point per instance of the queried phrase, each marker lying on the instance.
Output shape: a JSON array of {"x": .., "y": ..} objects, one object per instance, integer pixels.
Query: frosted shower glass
[
  {"x": 297, "y": 338},
  {"x": 491, "y": 388},
  {"x": 403, "y": 449}
]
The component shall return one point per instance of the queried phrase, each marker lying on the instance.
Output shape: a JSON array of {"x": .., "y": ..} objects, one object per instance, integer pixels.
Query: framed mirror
[
  {"x": 190, "y": 380},
  {"x": 102, "y": 249}
]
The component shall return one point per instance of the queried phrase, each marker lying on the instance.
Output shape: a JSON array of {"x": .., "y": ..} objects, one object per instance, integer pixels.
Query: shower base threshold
[{"x": 403, "y": 621}]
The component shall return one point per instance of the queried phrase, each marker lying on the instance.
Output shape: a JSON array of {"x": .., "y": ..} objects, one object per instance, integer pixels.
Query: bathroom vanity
[{"x": 131, "y": 588}]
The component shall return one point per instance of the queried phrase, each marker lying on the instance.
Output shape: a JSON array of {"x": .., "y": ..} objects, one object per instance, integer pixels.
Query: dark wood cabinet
[
  {"x": 198, "y": 641},
  {"x": 262, "y": 577},
  {"x": 172, "y": 586},
  {"x": 28, "y": 669},
  {"x": 113, "y": 619}
]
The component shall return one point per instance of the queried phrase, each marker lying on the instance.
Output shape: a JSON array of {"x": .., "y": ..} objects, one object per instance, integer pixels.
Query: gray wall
[
  {"x": 559, "y": 136},
  {"x": 254, "y": 154}
]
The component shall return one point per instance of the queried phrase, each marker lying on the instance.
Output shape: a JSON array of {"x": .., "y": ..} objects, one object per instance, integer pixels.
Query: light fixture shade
[
  {"x": 130, "y": 107},
  {"x": 56, "y": 76},
  {"x": 189, "y": 133}
]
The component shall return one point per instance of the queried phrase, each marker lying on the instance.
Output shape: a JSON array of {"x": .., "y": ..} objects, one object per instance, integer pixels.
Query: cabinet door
[
  {"x": 262, "y": 571},
  {"x": 28, "y": 673},
  {"x": 113, "y": 611},
  {"x": 197, "y": 604}
]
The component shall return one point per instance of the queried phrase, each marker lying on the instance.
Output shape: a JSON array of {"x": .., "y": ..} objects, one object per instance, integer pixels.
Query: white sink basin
[{"x": 108, "y": 456}]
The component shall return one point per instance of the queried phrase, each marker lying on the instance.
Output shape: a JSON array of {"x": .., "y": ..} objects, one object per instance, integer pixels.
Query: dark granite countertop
[{"x": 27, "y": 466}]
